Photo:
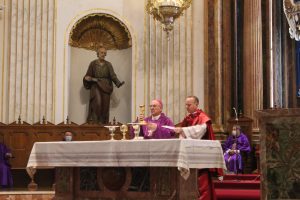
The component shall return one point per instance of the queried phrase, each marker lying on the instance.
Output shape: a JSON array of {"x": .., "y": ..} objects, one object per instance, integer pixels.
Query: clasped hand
[
  {"x": 89, "y": 78},
  {"x": 151, "y": 126},
  {"x": 180, "y": 132},
  {"x": 232, "y": 152}
]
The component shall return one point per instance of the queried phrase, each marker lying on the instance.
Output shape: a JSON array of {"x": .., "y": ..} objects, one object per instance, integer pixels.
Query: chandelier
[
  {"x": 166, "y": 11},
  {"x": 292, "y": 13}
]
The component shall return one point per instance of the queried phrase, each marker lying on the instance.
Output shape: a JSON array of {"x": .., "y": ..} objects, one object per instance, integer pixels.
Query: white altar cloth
[{"x": 181, "y": 153}]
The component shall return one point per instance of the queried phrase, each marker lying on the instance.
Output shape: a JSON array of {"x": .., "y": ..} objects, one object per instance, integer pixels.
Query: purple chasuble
[
  {"x": 234, "y": 162},
  {"x": 160, "y": 132},
  {"x": 5, "y": 173}
]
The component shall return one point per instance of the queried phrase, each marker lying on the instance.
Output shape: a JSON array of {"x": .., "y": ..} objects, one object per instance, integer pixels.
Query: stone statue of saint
[{"x": 98, "y": 80}]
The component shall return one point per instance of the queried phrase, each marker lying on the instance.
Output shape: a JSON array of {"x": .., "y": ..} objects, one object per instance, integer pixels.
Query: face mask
[
  {"x": 68, "y": 138},
  {"x": 233, "y": 133}
]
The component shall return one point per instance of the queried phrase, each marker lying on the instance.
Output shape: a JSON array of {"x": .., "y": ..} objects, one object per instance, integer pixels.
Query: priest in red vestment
[{"x": 197, "y": 125}]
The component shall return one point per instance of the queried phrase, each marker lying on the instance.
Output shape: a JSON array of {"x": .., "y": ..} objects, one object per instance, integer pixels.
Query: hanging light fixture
[{"x": 166, "y": 11}]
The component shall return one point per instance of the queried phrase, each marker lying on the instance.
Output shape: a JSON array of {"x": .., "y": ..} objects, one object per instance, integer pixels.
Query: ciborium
[
  {"x": 112, "y": 131},
  {"x": 136, "y": 127}
]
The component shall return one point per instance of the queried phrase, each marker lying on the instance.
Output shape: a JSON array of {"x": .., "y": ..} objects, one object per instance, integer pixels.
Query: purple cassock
[
  {"x": 234, "y": 162},
  {"x": 5, "y": 173},
  {"x": 160, "y": 132}
]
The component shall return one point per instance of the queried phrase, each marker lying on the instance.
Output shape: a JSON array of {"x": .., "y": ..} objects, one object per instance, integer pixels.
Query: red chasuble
[
  {"x": 205, "y": 184},
  {"x": 199, "y": 117}
]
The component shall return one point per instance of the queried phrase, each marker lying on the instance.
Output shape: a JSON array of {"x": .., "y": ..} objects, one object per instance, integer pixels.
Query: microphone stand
[
  {"x": 235, "y": 169},
  {"x": 235, "y": 160},
  {"x": 235, "y": 142}
]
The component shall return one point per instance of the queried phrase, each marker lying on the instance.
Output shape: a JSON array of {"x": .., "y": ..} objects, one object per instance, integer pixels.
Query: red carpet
[{"x": 238, "y": 187}]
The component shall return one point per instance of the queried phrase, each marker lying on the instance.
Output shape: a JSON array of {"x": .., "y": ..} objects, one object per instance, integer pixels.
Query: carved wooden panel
[
  {"x": 164, "y": 183},
  {"x": 18, "y": 141},
  {"x": 1, "y": 137},
  {"x": 20, "y": 137},
  {"x": 64, "y": 183},
  {"x": 93, "y": 136}
]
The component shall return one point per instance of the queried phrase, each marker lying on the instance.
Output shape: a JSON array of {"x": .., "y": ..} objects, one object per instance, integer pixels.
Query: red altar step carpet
[{"x": 238, "y": 187}]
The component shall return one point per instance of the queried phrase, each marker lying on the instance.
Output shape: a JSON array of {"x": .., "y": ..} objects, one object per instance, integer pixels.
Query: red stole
[{"x": 199, "y": 117}]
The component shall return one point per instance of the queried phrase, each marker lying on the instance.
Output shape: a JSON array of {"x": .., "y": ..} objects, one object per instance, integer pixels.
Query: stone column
[
  {"x": 213, "y": 81},
  {"x": 252, "y": 59}
]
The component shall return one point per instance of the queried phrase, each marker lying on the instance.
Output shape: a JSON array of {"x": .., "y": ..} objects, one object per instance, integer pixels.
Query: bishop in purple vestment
[
  {"x": 5, "y": 173},
  {"x": 153, "y": 129},
  {"x": 233, "y": 147}
]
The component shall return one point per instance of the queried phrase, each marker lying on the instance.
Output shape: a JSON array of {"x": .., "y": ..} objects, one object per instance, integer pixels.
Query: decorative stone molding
[{"x": 100, "y": 29}]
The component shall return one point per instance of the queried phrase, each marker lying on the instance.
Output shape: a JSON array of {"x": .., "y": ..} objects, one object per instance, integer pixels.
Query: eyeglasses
[{"x": 153, "y": 106}]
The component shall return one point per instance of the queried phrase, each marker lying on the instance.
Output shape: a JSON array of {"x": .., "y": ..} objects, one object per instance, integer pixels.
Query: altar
[{"x": 126, "y": 169}]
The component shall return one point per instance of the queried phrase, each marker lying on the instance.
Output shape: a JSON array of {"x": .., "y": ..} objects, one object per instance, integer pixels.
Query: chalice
[
  {"x": 136, "y": 127},
  {"x": 112, "y": 131},
  {"x": 124, "y": 129}
]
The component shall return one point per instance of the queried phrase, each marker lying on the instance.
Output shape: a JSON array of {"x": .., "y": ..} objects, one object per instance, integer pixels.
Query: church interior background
[{"x": 231, "y": 54}]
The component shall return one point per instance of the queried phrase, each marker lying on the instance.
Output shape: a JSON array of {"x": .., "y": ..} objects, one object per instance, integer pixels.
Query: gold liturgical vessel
[
  {"x": 142, "y": 113},
  {"x": 137, "y": 125},
  {"x": 124, "y": 129}
]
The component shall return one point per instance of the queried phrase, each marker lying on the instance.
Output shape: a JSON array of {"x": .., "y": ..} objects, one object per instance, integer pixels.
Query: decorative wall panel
[
  {"x": 30, "y": 61},
  {"x": 35, "y": 65},
  {"x": 279, "y": 154},
  {"x": 168, "y": 65}
]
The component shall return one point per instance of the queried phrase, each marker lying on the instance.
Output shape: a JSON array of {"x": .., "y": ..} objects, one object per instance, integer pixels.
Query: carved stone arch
[{"x": 100, "y": 29}]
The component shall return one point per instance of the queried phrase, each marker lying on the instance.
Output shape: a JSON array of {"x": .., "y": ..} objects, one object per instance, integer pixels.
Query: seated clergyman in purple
[
  {"x": 235, "y": 144},
  {"x": 153, "y": 128},
  {"x": 5, "y": 173}
]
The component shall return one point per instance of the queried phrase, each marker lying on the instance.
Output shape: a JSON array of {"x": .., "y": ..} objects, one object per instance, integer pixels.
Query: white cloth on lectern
[
  {"x": 195, "y": 132},
  {"x": 185, "y": 173}
]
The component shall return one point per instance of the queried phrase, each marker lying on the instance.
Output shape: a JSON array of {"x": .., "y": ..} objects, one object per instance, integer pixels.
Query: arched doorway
[{"x": 87, "y": 35}]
